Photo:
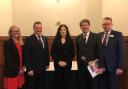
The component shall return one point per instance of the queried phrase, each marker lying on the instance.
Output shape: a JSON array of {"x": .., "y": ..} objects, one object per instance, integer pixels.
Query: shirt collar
[
  {"x": 37, "y": 36},
  {"x": 108, "y": 32},
  {"x": 87, "y": 34}
]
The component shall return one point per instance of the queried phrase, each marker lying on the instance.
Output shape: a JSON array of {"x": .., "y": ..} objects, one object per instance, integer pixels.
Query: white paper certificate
[
  {"x": 92, "y": 72},
  {"x": 74, "y": 65},
  {"x": 51, "y": 67}
]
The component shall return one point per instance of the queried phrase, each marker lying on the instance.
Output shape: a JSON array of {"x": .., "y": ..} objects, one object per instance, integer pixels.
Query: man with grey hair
[{"x": 112, "y": 54}]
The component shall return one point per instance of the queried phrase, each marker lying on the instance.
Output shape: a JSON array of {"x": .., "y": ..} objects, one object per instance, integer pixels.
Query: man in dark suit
[
  {"x": 36, "y": 57},
  {"x": 112, "y": 54},
  {"x": 88, "y": 49}
]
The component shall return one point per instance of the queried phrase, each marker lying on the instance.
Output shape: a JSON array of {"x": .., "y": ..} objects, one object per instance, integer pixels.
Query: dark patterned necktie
[
  {"x": 85, "y": 38},
  {"x": 105, "y": 39},
  {"x": 41, "y": 43}
]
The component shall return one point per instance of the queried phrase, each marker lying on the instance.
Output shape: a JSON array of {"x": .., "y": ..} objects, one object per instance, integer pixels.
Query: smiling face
[
  {"x": 63, "y": 31},
  {"x": 37, "y": 29},
  {"x": 85, "y": 27},
  {"x": 14, "y": 32}
]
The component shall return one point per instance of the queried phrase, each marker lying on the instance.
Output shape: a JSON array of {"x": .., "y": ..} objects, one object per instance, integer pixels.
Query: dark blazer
[
  {"x": 11, "y": 59},
  {"x": 35, "y": 57},
  {"x": 91, "y": 50},
  {"x": 63, "y": 52},
  {"x": 113, "y": 53}
]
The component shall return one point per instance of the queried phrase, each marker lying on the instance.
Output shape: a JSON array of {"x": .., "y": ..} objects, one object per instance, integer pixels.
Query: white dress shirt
[{"x": 87, "y": 36}]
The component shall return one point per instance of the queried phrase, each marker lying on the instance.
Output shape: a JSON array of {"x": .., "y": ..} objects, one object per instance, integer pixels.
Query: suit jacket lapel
[
  {"x": 110, "y": 38},
  {"x": 82, "y": 39},
  {"x": 43, "y": 38},
  {"x": 101, "y": 36},
  {"x": 89, "y": 38},
  {"x": 14, "y": 47},
  {"x": 37, "y": 41}
]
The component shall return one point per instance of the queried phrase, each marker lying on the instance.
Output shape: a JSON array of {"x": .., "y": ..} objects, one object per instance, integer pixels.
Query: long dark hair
[{"x": 58, "y": 35}]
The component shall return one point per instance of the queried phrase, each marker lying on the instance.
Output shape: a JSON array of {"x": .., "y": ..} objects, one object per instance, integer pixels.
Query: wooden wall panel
[
  {"x": 1, "y": 66},
  {"x": 1, "y": 56},
  {"x": 123, "y": 79}
]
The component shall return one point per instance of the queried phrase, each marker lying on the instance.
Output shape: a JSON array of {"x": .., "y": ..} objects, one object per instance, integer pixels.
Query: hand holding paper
[{"x": 93, "y": 68}]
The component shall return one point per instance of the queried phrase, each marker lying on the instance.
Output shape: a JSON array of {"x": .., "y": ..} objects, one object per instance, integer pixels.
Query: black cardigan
[
  {"x": 12, "y": 59},
  {"x": 63, "y": 52}
]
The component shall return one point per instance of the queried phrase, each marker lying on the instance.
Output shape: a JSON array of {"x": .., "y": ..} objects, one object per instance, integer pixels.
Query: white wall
[
  {"x": 24, "y": 12},
  {"x": 5, "y": 16},
  {"x": 117, "y": 9},
  {"x": 94, "y": 13},
  {"x": 49, "y": 12}
]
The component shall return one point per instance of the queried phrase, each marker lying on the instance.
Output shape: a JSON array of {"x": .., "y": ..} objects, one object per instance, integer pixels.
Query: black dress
[{"x": 62, "y": 52}]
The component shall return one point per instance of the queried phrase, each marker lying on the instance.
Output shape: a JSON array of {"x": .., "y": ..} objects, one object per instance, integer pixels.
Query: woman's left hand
[{"x": 21, "y": 72}]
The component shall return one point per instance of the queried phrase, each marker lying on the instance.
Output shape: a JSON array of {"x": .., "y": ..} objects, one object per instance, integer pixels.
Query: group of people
[{"x": 26, "y": 62}]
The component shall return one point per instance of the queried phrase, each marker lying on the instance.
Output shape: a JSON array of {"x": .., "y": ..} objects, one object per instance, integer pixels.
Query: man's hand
[
  {"x": 119, "y": 71},
  {"x": 100, "y": 70},
  {"x": 31, "y": 73},
  {"x": 21, "y": 72}
]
